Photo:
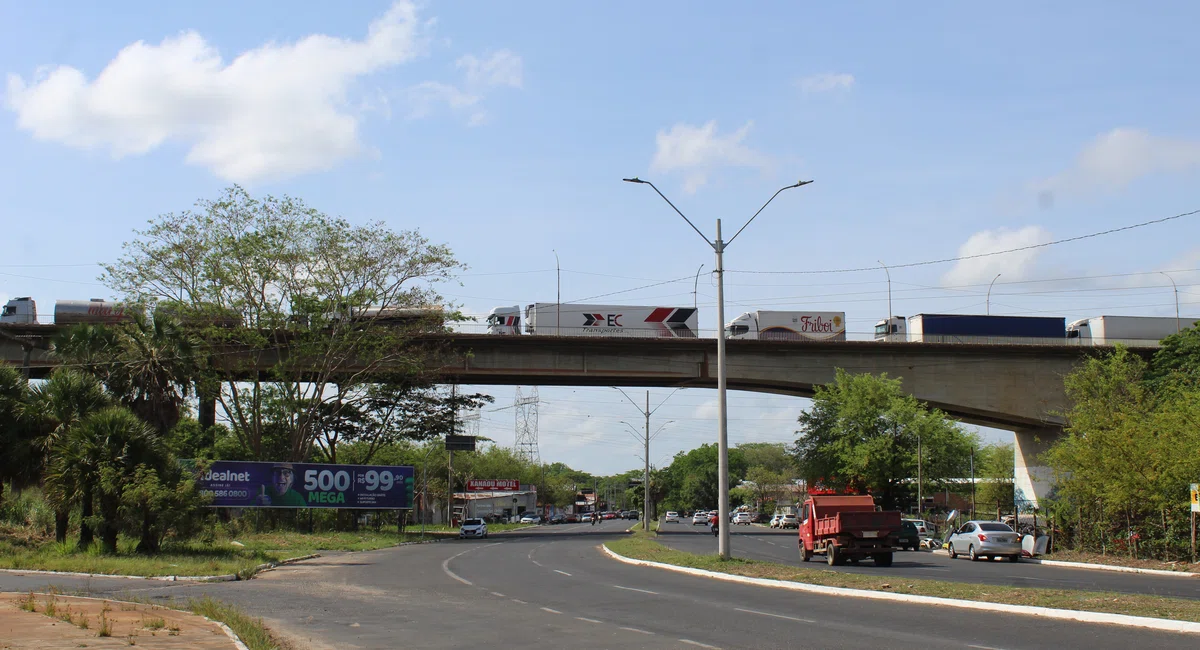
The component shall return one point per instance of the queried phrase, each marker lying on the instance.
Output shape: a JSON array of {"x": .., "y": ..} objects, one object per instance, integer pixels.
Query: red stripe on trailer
[{"x": 659, "y": 315}]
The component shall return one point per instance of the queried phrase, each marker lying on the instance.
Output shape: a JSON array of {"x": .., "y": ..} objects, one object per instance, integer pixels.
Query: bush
[{"x": 28, "y": 509}]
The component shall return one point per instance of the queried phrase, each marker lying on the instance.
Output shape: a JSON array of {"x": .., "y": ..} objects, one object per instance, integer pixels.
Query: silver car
[{"x": 985, "y": 539}]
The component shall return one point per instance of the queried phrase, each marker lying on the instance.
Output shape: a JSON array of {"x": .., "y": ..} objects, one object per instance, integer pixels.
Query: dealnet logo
[{"x": 226, "y": 476}]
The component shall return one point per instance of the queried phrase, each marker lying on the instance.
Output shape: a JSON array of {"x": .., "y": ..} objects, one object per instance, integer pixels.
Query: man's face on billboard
[{"x": 283, "y": 479}]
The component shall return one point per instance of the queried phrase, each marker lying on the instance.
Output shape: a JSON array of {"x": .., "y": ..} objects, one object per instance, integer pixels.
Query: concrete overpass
[{"x": 1014, "y": 387}]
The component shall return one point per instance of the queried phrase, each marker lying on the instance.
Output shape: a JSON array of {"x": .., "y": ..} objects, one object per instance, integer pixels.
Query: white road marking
[
  {"x": 564, "y": 572},
  {"x": 552, "y": 611},
  {"x": 515, "y": 600},
  {"x": 634, "y": 629},
  {"x": 588, "y": 620},
  {"x": 984, "y": 647},
  {"x": 498, "y": 594},
  {"x": 698, "y": 644},
  {"x": 446, "y": 564},
  {"x": 790, "y": 618},
  {"x": 644, "y": 591}
]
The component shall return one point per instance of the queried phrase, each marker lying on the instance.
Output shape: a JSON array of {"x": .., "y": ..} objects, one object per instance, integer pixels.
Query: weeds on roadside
[
  {"x": 105, "y": 626},
  {"x": 153, "y": 623},
  {"x": 27, "y": 603},
  {"x": 50, "y": 607}
]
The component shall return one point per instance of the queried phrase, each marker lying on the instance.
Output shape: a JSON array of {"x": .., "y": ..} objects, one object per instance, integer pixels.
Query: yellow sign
[{"x": 1195, "y": 497}]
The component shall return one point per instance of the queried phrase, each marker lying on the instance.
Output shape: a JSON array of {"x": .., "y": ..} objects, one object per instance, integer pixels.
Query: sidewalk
[{"x": 146, "y": 626}]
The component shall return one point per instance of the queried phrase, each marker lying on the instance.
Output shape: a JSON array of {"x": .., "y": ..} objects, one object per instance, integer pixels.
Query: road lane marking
[
  {"x": 498, "y": 594},
  {"x": 515, "y": 600},
  {"x": 588, "y": 620},
  {"x": 552, "y": 611},
  {"x": 790, "y": 618},
  {"x": 634, "y": 629},
  {"x": 698, "y": 644},
  {"x": 446, "y": 564},
  {"x": 562, "y": 572},
  {"x": 984, "y": 647},
  {"x": 644, "y": 591}
]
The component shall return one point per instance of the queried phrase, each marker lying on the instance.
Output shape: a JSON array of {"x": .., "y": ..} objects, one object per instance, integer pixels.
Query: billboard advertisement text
[{"x": 245, "y": 484}]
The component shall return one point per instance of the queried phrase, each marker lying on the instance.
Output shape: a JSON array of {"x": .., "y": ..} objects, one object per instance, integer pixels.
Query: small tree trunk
[
  {"x": 62, "y": 519},
  {"x": 86, "y": 536},
  {"x": 109, "y": 526},
  {"x": 149, "y": 541}
]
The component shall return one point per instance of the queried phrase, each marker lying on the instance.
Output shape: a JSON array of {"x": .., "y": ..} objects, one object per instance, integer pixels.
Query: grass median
[
  {"x": 240, "y": 555},
  {"x": 643, "y": 547}
]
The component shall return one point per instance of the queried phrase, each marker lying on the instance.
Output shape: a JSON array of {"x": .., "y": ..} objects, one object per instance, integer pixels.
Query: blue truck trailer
[{"x": 971, "y": 328}]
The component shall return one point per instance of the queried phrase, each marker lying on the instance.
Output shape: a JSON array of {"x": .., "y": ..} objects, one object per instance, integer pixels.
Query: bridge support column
[{"x": 1031, "y": 477}]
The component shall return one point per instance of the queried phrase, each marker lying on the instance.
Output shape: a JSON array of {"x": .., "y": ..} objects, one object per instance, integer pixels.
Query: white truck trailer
[
  {"x": 789, "y": 326},
  {"x": 1131, "y": 331},
  {"x": 549, "y": 319}
]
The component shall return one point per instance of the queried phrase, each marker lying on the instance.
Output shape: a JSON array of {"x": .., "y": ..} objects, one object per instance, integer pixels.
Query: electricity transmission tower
[
  {"x": 527, "y": 426},
  {"x": 470, "y": 422}
]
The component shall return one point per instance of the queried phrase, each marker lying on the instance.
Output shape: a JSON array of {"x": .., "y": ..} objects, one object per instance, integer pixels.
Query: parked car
[
  {"x": 672, "y": 517},
  {"x": 557, "y": 518},
  {"x": 761, "y": 517},
  {"x": 700, "y": 518},
  {"x": 789, "y": 521},
  {"x": 531, "y": 518},
  {"x": 572, "y": 519},
  {"x": 985, "y": 539},
  {"x": 775, "y": 519},
  {"x": 908, "y": 538},
  {"x": 473, "y": 528},
  {"x": 922, "y": 527},
  {"x": 743, "y": 518}
]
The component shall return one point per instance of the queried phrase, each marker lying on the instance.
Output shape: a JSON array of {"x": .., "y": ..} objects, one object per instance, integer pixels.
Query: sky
[{"x": 931, "y": 131}]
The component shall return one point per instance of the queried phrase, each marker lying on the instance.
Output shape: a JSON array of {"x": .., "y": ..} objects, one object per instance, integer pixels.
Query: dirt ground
[{"x": 127, "y": 624}]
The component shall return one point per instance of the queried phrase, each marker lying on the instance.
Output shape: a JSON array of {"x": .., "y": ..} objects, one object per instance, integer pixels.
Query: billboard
[
  {"x": 246, "y": 484},
  {"x": 1195, "y": 497},
  {"x": 493, "y": 485}
]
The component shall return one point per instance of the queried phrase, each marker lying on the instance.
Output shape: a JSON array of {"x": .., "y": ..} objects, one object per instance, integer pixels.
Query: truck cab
[
  {"x": 505, "y": 321},
  {"x": 891, "y": 329},
  {"x": 19, "y": 311}
]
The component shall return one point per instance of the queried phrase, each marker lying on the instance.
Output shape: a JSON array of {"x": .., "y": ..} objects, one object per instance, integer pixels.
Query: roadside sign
[
  {"x": 1195, "y": 497},
  {"x": 493, "y": 485}
]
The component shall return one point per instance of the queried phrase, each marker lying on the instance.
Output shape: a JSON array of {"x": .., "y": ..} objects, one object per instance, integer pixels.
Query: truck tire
[
  {"x": 805, "y": 554},
  {"x": 831, "y": 555},
  {"x": 882, "y": 559}
]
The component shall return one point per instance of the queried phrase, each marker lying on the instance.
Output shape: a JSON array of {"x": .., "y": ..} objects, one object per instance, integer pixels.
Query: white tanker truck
[{"x": 23, "y": 311}]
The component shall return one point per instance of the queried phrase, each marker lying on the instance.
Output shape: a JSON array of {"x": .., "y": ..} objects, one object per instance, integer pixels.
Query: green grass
[
  {"x": 250, "y": 630},
  {"x": 643, "y": 547}
]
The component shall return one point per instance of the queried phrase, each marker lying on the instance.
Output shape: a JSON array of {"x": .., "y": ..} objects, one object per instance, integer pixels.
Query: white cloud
[
  {"x": 1014, "y": 266},
  {"x": 499, "y": 70},
  {"x": 826, "y": 82},
  {"x": 698, "y": 150},
  {"x": 1115, "y": 159},
  {"x": 273, "y": 111}
]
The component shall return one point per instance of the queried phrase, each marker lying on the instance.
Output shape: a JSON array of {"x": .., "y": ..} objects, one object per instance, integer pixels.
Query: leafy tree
[
  {"x": 160, "y": 506},
  {"x": 692, "y": 478},
  {"x": 312, "y": 298},
  {"x": 994, "y": 464},
  {"x": 1179, "y": 355},
  {"x": 862, "y": 433},
  {"x": 20, "y": 458},
  {"x": 772, "y": 456}
]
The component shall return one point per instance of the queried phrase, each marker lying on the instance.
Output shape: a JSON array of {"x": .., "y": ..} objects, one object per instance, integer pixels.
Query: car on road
[
  {"x": 775, "y": 520},
  {"x": 608, "y": 515},
  {"x": 743, "y": 518},
  {"x": 633, "y": 514},
  {"x": 922, "y": 527},
  {"x": 985, "y": 539},
  {"x": 672, "y": 517},
  {"x": 473, "y": 528},
  {"x": 789, "y": 521},
  {"x": 557, "y": 519},
  {"x": 572, "y": 519},
  {"x": 908, "y": 538},
  {"x": 700, "y": 518},
  {"x": 531, "y": 518}
]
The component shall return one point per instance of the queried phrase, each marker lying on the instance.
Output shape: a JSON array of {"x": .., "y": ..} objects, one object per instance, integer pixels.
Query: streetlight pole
[
  {"x": 1176, "y": 288},
  {"x": 557, "y": 295},
  {"x": 696, "y": 288},
  {"x": 889, "y": 314},
  {"x": 646, "y": 470},
  {"x": 718, "y": 246},
  {"x": 989, "y": 296}
]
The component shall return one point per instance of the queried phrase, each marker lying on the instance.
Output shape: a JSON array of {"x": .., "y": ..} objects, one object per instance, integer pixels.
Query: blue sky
[{"x": 930, "y": 131}]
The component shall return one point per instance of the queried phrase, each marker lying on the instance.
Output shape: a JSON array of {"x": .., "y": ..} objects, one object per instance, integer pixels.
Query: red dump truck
[{"x": 847, "y": 528}]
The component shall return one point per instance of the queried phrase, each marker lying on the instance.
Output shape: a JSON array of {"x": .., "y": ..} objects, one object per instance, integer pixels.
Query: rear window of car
[
  {"x": 472, "y": 522},
  {"x": 996, "y": 528}
]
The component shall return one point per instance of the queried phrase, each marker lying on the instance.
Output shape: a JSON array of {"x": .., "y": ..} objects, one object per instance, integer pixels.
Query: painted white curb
[
  {"x": 228, "y": 577},
  {"x": 1099, "y": 567},
  {"x": 1162, "y": 624}
]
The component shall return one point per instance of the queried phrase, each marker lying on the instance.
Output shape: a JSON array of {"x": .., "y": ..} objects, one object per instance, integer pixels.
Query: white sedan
[
  {"x": 672, "y": 517},
  {"x": 700, "y": 518},
  {"x": 743, "y": 518},
  {"x": 473, "y": 528}
]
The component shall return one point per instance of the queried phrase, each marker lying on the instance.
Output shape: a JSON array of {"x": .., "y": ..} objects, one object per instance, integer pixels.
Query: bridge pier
[{"x": 1031, "y": 478}]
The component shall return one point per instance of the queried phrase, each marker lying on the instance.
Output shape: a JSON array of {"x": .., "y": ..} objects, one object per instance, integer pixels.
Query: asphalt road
[
  {"x": 759, "y": 543},
  {"x": 552, "y": 588}
]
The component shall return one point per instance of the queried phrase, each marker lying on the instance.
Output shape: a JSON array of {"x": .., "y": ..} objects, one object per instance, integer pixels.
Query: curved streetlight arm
[
  {"x": 635, "y": 404},
  {"x": 660, "y": 428},
  {"x": 1176, "y": 289},
  {"x": 764, "y": 207},
  {"x": 665, "y": 400},
  {"x": 635, "y": 433},
  {"x": 689, "y": 221}
]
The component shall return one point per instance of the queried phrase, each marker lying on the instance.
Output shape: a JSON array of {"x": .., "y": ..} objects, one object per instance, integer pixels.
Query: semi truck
[
  {"x": 1131, "y": 331},
  {"x": 548, "y": 318},
  {"x": 789, "y": 326},
  {"x": 972, "y": 328},
  {"x": 847, "y": 528},
  {"x": 23, "y": 311}
]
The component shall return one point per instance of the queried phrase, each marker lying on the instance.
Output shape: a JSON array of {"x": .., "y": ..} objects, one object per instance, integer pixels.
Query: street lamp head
[
  {"x": 635, "y": 179},
  {"x": 801, "y": 183}
]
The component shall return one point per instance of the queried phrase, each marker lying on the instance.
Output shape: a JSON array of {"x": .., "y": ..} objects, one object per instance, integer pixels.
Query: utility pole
[
  {"x": 989, "y": 294},
  {"x": 972, "y": 482},
  {"x": 718, "y": 245},
  {"x": 557, "y": 295},
  {"x": 920, "y": 483},
  {"x": 647, "y": 412},
  {"x": 1176, "y": 288}
]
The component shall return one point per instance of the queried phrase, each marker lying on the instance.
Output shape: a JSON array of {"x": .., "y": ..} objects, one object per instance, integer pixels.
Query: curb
[
  {"x": 237, "y": 641},
  {"x": 228, "y": 577},
  {"x": 1100, "y": 567},
  {"x": 1125, "y": 620}
]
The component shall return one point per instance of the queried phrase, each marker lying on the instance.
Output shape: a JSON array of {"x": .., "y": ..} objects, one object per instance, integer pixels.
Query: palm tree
[
  {"x": 18, "y": 462},
  {"x": 155, "y": 370},
  {"x": 98, "y": 457},
  {"x": 59, "y": 404}
]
